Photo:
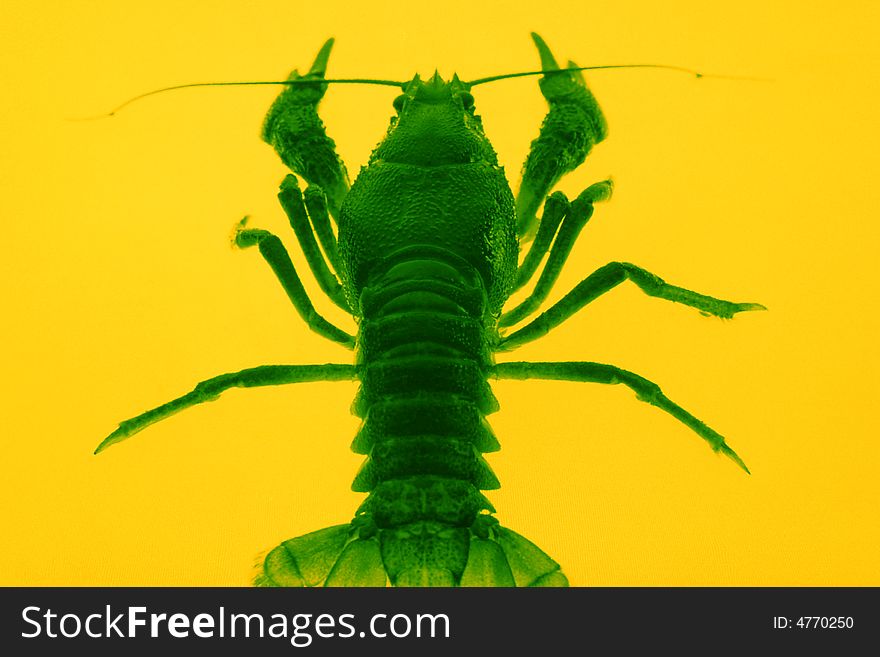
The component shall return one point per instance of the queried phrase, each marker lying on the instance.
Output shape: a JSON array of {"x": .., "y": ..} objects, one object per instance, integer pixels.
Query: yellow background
[{"x": 120, "y": 290}]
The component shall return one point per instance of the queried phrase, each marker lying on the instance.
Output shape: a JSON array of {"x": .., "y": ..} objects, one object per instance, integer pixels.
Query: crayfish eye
[
  {"x": 398, "y": 103},
  {"x": 467, "y": 100}
]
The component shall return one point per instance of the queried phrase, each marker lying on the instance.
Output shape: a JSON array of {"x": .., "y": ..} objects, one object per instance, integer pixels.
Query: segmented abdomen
[{"x": 423, "y": 355}]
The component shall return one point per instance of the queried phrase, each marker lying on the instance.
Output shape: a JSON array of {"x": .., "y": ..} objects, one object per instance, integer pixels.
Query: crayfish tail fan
[
  {"x": 484, "y": 555},
  {"x": 529, "y": 564},
  {"x": 303, "y": 561}
]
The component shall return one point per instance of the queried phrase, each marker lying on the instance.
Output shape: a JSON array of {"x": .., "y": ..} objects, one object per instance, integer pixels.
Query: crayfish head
[
  {"x": 435, "y": 125},
  {"x": 434, "y": 181}
]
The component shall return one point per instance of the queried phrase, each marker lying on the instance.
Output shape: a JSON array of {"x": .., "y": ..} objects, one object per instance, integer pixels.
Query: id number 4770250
[{"x": 814, "y": 623}]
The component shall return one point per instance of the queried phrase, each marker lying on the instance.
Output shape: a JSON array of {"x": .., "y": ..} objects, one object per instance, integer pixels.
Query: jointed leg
[
  {"x": 209, "y": 390},
  {"x": 571, "y": 128},
  {"x": 578, "y": 214},
  {"x": 275, "y": 254},
  {"x": 292, "y": 201},
  {"x": 608, "y": 277},
  {"x": 555, "y": 208},
  {"x": 297, "y": 133},
  {"x": 316, "y": 203},
  {"x": 645, "y": 390}
]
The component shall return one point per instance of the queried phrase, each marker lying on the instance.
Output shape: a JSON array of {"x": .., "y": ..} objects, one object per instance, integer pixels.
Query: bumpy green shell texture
[
  {"x": 428, "y": 251},
  {"x": 433, "y": 181}
]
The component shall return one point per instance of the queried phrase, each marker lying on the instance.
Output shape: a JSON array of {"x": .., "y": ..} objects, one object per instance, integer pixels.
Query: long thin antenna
[
  {"x": 400, "y": 85},
  {"x": 679, "y": 69},
  {"x": 386, "y": 83}
]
